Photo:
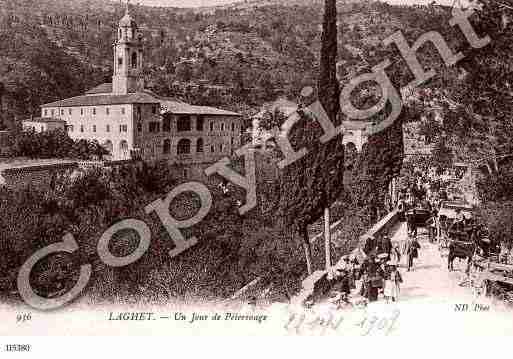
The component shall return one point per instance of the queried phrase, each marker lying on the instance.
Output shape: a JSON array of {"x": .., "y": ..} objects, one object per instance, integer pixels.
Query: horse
[
  {"x": 460, "y": 250},
  {"x": 465, "y": 247}
]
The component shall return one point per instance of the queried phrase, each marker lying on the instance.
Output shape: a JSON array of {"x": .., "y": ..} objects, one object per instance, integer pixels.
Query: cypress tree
[{"x": 315, "y": 181}]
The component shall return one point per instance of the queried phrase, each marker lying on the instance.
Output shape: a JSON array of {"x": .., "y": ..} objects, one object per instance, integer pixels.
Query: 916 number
[{"x": 23, "y": 317}]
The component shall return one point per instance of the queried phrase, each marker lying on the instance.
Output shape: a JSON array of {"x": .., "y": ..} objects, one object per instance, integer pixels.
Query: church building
[{"x": 133, "y": 122}]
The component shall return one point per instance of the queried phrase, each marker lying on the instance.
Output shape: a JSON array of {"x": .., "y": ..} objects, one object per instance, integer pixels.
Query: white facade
[
  {"x": 111, "y": 125},
  {"x": 43, "y": 124},
  {"x": 130, "y": 121}
]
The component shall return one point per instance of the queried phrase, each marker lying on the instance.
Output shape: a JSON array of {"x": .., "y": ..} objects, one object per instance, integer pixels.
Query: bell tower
[{"x": 128, "y": 57}]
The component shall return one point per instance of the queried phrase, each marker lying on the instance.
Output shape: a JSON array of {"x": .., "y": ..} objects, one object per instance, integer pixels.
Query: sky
[{"x": 196, "y": 3}]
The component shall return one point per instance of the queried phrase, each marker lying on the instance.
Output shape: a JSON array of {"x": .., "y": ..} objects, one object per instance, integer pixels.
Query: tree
[
  {"x": 314, "y": 182},
  {"x": 477, "y": 96},
  {"x": 380, "y": 161},
  {"x": 442, "y": 154},
  {"x": 2, "y": 91},
  {"x": 329, "y": 96},
  {"x": 55, "y": 144},
  {"x": 272, "y": 118}
]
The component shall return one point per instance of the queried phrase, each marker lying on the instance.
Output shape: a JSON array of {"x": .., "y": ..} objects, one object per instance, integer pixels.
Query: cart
[
  {"x": 494, "y": 279},
  {"x": 446, "y": 216}
]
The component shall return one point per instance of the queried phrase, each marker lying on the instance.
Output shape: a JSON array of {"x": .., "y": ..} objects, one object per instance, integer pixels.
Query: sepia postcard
[{"x": 255, "y": 168}]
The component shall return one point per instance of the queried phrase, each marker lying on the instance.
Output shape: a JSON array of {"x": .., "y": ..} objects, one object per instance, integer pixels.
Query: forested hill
[{"x": 235, "y": 56}]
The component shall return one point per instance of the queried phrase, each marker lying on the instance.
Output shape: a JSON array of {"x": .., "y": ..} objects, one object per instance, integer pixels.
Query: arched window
[
  {"x": 167, "y": 146},
  {"x": 123, "y": 147},
  {"x": 199, "y": 145},
  {"x": 134, "y": 60},
  {"x": 184, "y": 146},
  {"x": 120, "y": 33}
]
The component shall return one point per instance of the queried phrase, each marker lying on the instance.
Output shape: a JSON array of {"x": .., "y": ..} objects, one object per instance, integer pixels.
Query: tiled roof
[
  {"x": 44, "y": 119},
  {"x": 103, "y": 88},
  {"x": 110, "y": 99},
  {"x": 171, "y": 104},
  {"x": 179, "y": 107}
]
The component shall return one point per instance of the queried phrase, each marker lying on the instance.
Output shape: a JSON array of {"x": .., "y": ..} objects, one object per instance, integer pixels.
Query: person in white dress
[{"x": 393, "y": 279}]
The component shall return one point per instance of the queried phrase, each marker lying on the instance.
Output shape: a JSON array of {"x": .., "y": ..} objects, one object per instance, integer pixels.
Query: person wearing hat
[
  {"x": 386, "y": 246},
  {"x": 342, "y": 284},
  {"x": 372, "y": 278},
  {"x": 412, "y": 251},
  {"x": 393, "y": 279},
  {"x": 395, "y": 253},
  {"x": 401, "y": 208},
  {"x": 349, "y": 267},
  {"x": 370, "y": 245}
]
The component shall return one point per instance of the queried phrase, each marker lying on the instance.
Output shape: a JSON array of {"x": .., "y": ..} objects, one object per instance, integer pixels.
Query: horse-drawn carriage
[
  {"x": 418, "y": 217},
  {"x": 447, "y": 216},
  {"x": 456, "y": 232}
]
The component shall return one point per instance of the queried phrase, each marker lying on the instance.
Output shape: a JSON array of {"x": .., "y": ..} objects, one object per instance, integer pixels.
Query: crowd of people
[{"x": 377, "y": 271}]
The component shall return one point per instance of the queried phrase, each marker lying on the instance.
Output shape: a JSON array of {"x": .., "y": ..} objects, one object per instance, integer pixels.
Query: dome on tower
[{"x": 127, "y": 21}]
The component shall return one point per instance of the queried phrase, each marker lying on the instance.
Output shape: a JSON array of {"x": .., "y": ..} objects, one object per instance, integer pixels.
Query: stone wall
[
  {"x": 40, "y": 177},
  {"x": 316, "y": 284}
]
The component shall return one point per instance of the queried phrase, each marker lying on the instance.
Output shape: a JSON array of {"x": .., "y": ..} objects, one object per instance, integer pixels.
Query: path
[
  {"x": 428, "y": 299},
  {"x": 431, "y": 281}
]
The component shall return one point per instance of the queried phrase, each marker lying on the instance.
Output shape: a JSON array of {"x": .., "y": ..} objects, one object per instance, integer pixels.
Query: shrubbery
[
  {"x": 496, "y": 210},
  {"x": 55, "y": 144},
  {"x": 232, "y": 250},
  {"x": 498, "y": 216}
]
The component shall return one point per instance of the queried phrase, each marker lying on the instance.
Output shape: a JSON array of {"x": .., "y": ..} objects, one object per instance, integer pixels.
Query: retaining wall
[{"x": 317, "y": 284}]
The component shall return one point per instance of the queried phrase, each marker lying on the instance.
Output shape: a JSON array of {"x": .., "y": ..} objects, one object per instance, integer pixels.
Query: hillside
[{"x": 235, "y": 56}]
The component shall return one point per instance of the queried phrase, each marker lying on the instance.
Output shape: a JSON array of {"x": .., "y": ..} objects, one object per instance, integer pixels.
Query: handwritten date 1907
[{"x": 309, "y": 323}]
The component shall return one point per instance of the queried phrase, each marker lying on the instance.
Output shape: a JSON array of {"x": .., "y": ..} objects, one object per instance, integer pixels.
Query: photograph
[{"x": 282, "y": 168}]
